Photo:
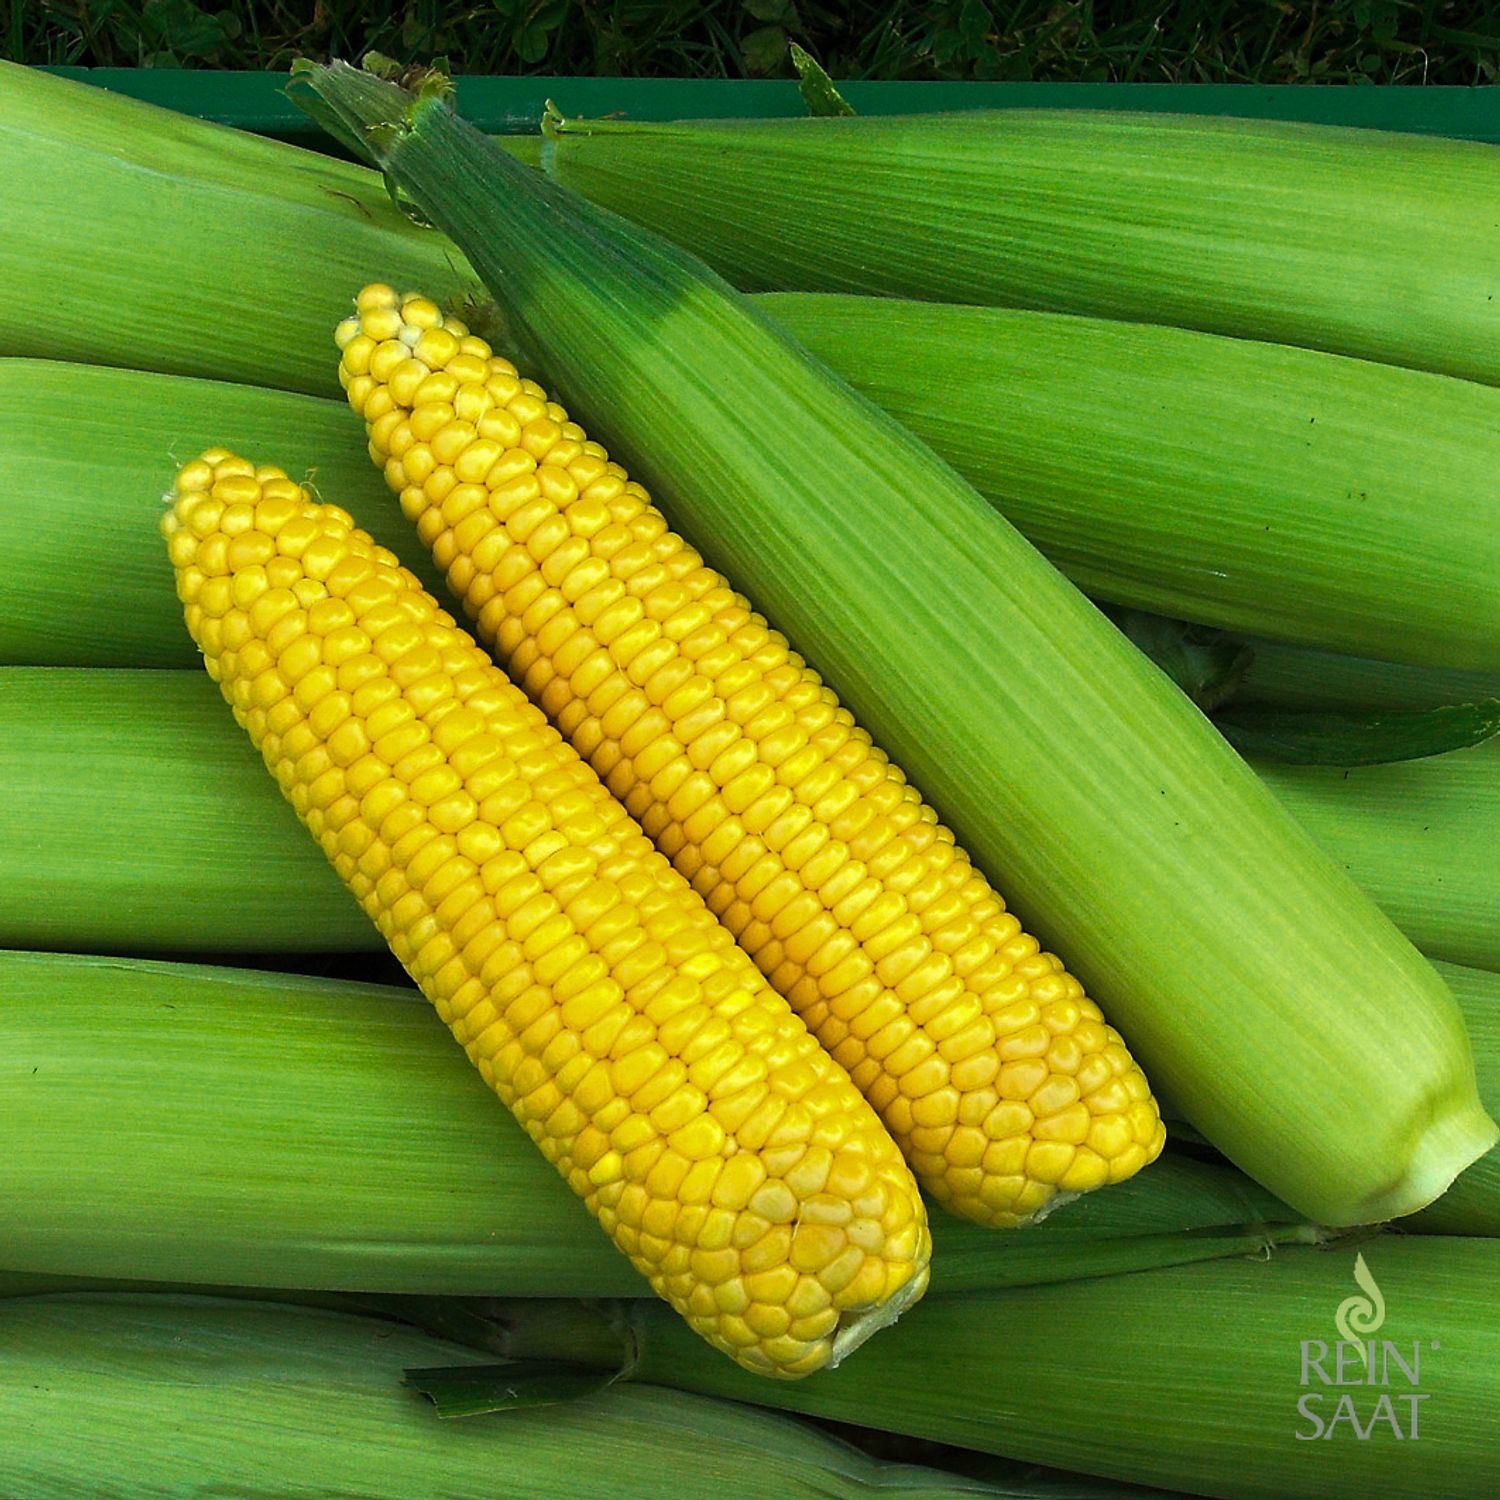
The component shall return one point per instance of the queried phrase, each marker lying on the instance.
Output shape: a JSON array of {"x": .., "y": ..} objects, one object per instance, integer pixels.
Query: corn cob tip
[
  {"x": 727, "y": 1155},
  {"x": 1013, "y": 1095}
]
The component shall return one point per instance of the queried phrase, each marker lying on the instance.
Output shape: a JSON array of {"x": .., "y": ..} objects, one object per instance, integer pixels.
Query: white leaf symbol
[{"x": 1360, "y": 1315}]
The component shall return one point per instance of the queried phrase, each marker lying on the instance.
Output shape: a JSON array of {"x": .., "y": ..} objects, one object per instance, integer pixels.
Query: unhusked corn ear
[
  {"x": 723, "y": 1150},
  {"x": 996, "y": 1074}
]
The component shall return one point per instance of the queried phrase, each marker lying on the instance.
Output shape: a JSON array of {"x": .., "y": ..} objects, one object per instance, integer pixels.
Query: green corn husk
[
  {"x": 88, "y": 583},
  {"x": 1421, "y": 836},
  {"x": 156, "y": 1397},
  {"x": 1257, "y": 986},
  {"x": 1472, "y": 1205},
  {"x": 1368, "y": 243},
  {"x": 54, "y": 131},
  {"x": 118, "y": 832},
  {"x": 805, "y": 1459},
  {"x": 1255, "y": 487},
  {"x": 119, "y": 774},
  {"x": 1263, "y": 489},
  {"x": 1187, "y": 1378},
  {"x": 476, "y": 1322},
  {"x": 136, "y": 236},
  {"x": 273, "y": 1130},
  {"x": 1283, "y": 676}
]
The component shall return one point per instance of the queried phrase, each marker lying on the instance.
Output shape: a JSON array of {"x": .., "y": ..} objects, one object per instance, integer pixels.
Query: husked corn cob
[
  {"x": 995, "y": 1073},
  {"x": 723, "y": 1150}
]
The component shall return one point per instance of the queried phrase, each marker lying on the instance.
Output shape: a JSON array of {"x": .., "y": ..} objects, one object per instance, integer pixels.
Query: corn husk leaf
[
  {"x": 1191, "y": 480},
  {"x": 1206, "y": 663},
  {"x": 138, "y": 237},
  {"x": 277, "y": 1130},
  {"x": 1266, "y": 490},
  {"x": 1472, "y": 1205},
  {"x": 93, "y": 450},
  {"x": 118, "y": 833},
  {"x": 276, "y": 237},
  {"x": 1361, "y": 242},
  {"x": 1188, "y": 1378},
  {"x": 1303, "y": 738},
  {"x": 477, "y": 1390},
  {"x": 83, "y": 754},
  {"x": 1297, "y": 677},
  {"x": 1422, "y": 837},
  {"x": 156, "y": 1397}
]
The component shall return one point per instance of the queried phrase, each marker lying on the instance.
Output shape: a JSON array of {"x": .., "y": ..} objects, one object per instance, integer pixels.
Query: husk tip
[{"x": 1454, "y": 1141}]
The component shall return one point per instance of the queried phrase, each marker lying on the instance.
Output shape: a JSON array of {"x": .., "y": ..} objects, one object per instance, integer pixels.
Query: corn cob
[
  {"x": 995, "y": 1074},
  {"x": 725, "y": 1153}
]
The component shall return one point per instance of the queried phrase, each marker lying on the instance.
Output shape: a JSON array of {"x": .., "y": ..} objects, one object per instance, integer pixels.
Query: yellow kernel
[
  {"x": 1020, "y": 1080},
  {"x": 815, "y": 1245},
  {"x": 1056, "y": 1094},
  {"x": 250, "y": 549},
  {"x": 1048, "y": 1161},
  {"x": 774, "y": 1201},
  {"x": 765, "y": 1320}
]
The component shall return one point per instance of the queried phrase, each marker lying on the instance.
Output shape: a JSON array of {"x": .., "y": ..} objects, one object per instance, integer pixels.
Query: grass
[{"x": 1217, "y": 41}]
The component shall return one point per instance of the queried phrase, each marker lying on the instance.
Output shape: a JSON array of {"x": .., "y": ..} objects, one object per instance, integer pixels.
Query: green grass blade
[
  {"x": 276, "y": 1130},
  {"x": 93, "y": 450},
  {"x": 818, "y": 90}
]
